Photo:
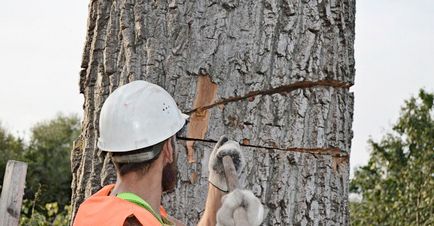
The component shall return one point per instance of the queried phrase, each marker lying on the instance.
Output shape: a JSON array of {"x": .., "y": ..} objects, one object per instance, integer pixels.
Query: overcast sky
[{"x": 41, "y": 43}]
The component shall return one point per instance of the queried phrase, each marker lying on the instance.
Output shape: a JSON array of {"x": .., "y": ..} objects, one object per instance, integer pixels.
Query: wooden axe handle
[
  {"x": 230, "y": 173},
  {"x": 240, "y": 215}
]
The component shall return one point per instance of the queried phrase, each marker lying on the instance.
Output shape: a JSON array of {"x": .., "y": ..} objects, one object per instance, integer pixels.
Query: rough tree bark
[{"x": 271, "y": 74}]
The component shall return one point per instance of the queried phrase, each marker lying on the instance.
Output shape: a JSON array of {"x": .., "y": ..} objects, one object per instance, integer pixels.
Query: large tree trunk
[{"x": 272, "y": 74}]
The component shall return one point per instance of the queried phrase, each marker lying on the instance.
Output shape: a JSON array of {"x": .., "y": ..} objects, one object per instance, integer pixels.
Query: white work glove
[
  {"x": 245, "y": 200},
  {"x": 223, "y": 148}
]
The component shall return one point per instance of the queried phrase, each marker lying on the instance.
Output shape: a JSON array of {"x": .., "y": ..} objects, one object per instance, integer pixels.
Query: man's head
[
  {"x": 137, "y": 125},
  {"x": 126, "y": 162}
]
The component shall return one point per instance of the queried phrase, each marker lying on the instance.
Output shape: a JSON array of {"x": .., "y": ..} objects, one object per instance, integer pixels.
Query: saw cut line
[
  {"x": 331, "y": 151},
  {"x": 281, "y": 89}
]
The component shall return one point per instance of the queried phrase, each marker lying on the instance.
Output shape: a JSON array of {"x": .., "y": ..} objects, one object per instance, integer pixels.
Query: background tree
[
  {"x": 48, "y": 191},
  {"x": 397, "y": 184},
  {"x": 48, "y": 158},
  {"x": 273, "y": 75}
]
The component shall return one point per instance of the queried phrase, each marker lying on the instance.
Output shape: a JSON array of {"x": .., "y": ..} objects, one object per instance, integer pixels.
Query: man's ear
[{"x": 168, "y": 151}]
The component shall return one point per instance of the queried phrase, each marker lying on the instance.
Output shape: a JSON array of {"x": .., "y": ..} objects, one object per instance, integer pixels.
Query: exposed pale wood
[
  {"x": 12, "y": 192},
  {"x": 198, "y": 122},
  {"x": 282, "y": 69}
]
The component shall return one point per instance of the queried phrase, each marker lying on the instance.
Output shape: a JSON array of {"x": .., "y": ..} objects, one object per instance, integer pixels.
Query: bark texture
[{"x": 272, "y": 74}]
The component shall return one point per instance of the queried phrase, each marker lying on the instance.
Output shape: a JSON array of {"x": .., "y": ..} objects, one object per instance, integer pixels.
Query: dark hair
[{"x": 139, "y": 167}]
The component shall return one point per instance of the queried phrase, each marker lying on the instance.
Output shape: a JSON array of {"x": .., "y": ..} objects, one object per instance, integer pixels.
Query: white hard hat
[{"x": 138, "y": 115}]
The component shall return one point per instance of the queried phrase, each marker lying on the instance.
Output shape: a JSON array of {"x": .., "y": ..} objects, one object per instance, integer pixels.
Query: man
[{"x": 138, "y": 126}]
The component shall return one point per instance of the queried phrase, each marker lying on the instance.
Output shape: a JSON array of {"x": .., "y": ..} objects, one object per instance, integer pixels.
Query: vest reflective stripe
[
  {"x": 102, "y": 209},
  {"x": 131, "y": 197}
]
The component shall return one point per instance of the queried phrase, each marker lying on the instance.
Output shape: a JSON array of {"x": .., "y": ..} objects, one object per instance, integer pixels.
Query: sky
[{"x": 41, "y": 43}]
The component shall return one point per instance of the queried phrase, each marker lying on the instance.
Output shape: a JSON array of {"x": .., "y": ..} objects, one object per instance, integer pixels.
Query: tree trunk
[{"x": 273, "y": 75}]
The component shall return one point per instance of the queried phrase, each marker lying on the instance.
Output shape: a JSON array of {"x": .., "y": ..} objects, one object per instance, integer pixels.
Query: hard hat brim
[{"x": 185, "y": 116}]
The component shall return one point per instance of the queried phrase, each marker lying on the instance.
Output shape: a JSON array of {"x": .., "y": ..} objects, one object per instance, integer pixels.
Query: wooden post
[{"x": 12, "y": 193}]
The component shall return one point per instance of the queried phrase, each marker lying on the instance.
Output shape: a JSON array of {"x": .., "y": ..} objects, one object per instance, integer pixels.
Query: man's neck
[{"x": 147, "y": 187}]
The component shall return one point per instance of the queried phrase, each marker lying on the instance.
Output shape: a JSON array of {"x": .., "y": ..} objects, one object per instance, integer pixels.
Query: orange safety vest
[{"x": 103, "y": 209}]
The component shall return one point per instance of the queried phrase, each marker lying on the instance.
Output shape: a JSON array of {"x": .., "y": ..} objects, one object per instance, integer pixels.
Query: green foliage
[
  {"x": 50, "y": 215},
  {"x": 48, "y": 156},
  {"x": 48, "y": 180},
  {"x": 397, "y": 184}
]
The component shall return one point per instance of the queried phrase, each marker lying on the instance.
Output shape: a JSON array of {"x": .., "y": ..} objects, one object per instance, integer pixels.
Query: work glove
[
  {"x": 244, "y": 200},
  {"x": 223, "y": 148}
]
